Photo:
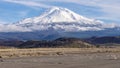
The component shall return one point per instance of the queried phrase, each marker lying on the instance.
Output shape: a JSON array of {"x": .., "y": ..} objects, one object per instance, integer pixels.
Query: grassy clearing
[{"x": 8, "y": 53}]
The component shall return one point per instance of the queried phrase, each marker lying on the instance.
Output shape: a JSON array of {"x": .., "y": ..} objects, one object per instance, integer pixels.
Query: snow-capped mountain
[
  {"x": 60, "y": 19},
  {"x": 58, "y": 15},
  {"x": 58, "y": 22},
  {"x": 57, "y": 19}
]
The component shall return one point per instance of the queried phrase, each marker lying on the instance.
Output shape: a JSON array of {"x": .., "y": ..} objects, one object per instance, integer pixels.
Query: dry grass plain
[
  {"x": 13, "y": 52},
  {"x": 60, "y": 58}
]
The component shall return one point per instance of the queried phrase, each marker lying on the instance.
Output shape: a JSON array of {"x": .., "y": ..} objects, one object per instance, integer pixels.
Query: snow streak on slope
[{"x": 56, "y": 19}]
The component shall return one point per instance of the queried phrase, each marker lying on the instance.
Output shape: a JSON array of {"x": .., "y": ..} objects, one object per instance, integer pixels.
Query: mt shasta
[{"x": 57, "y": 22}]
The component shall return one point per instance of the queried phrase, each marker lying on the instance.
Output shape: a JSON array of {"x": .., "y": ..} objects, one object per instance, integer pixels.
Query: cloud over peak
[{"x": 110, "y": 8}]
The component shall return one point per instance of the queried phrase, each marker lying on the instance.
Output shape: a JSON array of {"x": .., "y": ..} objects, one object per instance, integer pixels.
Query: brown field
[
  {"x": 9, "y": 53},
  {"x": 60, "y": 58}
]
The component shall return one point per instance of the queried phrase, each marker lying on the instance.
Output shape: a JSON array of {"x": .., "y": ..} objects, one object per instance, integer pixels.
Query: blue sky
[{"x": 12, "y": 11}]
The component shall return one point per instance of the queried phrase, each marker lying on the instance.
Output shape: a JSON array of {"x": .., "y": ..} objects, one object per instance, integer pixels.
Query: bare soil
[{"x": 88, "y": 60}]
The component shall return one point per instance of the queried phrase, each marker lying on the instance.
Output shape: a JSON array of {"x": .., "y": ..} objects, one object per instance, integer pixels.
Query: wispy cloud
[
  {"x": 3, "y": 22},
  {"x": 109, "y": 7},
  {"x": 29, "y": 3}
]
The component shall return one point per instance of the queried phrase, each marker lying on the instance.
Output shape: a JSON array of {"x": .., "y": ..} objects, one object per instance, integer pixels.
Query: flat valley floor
[{"x": 93, "y": 60}]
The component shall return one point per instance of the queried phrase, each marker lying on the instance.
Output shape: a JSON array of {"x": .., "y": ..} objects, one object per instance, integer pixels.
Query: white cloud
[
  {"x": 107, "y": 6},
  {"x": 29, "y": 3},
  {"x": 3, "y": 22},
  {"x": 12, "y": 28},
  {"x": 110, "y": 8}
]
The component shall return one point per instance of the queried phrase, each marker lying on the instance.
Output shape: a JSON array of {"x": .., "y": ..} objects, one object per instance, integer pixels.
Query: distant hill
[
  {"x": 60, "y": 42},
  {"x": 10, "y": 43},
  {"x": 63, "y": 42},
  {"x": 104, "y": 40}
]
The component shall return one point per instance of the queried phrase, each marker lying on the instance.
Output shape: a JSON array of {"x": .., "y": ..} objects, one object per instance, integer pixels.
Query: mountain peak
[
  {"x": 61, "y": 19},
  {"x": 56, "y": 9},
  {"x": 58, "y": 15}
]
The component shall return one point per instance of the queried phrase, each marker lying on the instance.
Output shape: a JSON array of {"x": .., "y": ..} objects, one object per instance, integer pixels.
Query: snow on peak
[
  {"x": 59, "y": 15},
  {"x": 58, "y": 19}
]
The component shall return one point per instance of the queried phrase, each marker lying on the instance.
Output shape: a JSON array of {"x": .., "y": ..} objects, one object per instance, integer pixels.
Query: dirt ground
[{"x": 93, "y": 60}]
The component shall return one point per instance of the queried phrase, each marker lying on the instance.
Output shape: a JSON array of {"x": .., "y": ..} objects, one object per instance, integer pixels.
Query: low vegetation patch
[{"x": 9, "y": 53}]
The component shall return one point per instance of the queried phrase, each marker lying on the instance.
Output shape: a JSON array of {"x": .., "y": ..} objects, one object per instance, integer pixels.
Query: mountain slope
[
  {"x": 59, "y": 15},
  {"x": 57, "y": 19},
  {"x": 61, "y": 19},
  {"x": 57, "y": 22}
]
